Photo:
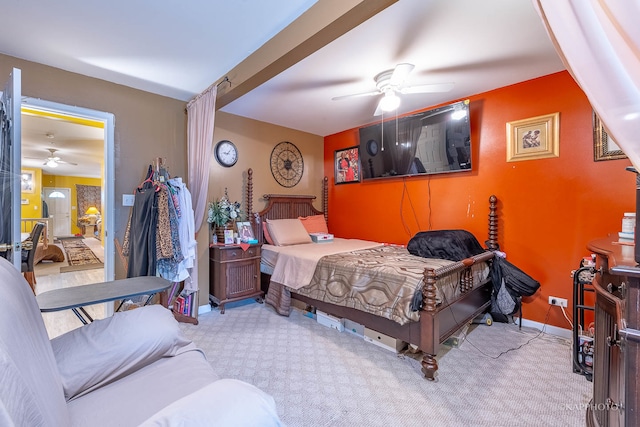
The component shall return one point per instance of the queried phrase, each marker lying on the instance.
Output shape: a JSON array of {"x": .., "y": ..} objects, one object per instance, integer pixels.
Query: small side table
[{"x": 234, "y": 274}]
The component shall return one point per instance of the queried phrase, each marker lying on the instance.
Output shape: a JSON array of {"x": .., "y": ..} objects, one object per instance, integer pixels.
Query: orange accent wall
[{"x": 548, "y": 208}]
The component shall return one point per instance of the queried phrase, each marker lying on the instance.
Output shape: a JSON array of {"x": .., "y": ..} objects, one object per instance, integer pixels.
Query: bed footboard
[{"x": 439, "y": 322}]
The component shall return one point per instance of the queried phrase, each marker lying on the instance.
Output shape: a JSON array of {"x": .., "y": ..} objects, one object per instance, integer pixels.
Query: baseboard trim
[
  {"x": 204, "y": 308},
  {"x": 548, "y": 329}
]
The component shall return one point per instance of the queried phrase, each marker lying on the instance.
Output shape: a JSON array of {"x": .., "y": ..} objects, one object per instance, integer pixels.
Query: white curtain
[
  {"x": 599, "y": 43},
  {"x": 200, "y": 123}
]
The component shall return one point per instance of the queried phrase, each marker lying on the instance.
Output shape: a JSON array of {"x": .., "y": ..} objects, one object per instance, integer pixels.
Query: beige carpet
[{"x": 322, "y": 377}]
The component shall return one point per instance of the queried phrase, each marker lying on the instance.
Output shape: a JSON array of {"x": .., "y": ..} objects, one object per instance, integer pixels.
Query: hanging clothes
[
  {"x": 160, "y": 235},
  {"x": 140, "y": 236},
  {"x": 186, "y": 233}
]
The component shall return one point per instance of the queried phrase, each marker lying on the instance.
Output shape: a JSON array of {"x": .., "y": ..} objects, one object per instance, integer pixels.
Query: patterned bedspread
[{"x": 381, "y": 281}]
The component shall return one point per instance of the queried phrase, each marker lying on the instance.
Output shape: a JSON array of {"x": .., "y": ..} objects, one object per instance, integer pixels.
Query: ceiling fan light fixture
[
  {"x": 52, "y": 163},
  {"x": 389, "y": 102}
]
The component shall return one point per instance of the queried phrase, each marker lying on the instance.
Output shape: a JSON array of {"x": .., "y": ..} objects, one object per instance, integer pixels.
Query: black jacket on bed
[
  {"x": 454, "y": 245},
  {"x": 509, "y": 282}
]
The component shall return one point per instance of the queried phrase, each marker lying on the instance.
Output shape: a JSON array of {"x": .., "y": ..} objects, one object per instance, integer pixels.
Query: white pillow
[
  {"x": 108, "y": 349},
  {"x": 285, "y": 232},
  {"x": 226, "y": 402}
]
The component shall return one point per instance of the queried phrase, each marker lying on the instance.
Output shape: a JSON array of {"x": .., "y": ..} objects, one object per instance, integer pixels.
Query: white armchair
[{"x": 134, "y": 368}]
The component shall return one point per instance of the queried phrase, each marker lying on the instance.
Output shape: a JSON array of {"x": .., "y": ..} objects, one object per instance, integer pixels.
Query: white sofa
[{"x": 134, "y": 368}]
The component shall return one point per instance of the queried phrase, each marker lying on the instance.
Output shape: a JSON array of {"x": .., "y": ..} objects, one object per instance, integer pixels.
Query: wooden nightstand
[{"x": 234, "y": 274}]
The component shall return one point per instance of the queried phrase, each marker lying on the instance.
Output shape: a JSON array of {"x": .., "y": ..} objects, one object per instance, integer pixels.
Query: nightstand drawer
[{"x": 235, "y": 253}]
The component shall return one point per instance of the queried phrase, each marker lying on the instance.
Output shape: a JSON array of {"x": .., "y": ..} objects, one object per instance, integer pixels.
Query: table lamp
[{"x": 92, "y": 211}]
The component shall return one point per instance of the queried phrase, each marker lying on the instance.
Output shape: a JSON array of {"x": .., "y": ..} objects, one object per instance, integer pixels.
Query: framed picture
[
  {"x": 604, "y": 148},
  {"x": 26, "y": 182},
  {"x": 534, "y": 138},
  {"x": 347, "y": 165},
  {"x": 228, "y": 237},
  {"x": 245, "y": 232}
]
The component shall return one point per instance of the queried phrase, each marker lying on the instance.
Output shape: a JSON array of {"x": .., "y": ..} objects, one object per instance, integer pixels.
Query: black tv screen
[{"x": 430, "y": 142}]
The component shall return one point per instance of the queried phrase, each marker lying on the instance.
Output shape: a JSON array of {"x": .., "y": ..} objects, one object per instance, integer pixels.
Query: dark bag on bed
[
  {"x": 454, "y": 245},
  {"x": 510, "y": 284}
]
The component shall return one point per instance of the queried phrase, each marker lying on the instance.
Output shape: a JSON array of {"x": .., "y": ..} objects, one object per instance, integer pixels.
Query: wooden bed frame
[{"x": 437, "y": 323}]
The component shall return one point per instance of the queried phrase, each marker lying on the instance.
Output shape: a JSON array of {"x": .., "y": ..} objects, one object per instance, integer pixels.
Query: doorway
[{"x": 106, "y": 121}]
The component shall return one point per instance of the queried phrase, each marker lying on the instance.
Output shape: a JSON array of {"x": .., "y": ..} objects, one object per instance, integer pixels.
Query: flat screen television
[{"x": 429, "y": 142}]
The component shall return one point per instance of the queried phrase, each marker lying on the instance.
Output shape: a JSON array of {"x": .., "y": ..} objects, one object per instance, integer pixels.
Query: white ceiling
[
  {"x": 178, "y": 49},
  {"x": 75, "y": 143}
]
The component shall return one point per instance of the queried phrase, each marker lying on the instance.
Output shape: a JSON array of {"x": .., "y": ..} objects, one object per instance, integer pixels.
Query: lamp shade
[{"x": 92, "y": 211}]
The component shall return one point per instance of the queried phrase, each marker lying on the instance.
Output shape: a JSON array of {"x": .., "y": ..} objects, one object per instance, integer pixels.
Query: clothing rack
[{"x": 169, "y": 200}]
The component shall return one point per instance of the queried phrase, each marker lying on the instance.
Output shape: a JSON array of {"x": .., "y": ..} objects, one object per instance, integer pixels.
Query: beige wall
[
  {"x": 149, "y": 126},
  {"x": 146, "y": 125},
  {"x": 255, "y": 140}
]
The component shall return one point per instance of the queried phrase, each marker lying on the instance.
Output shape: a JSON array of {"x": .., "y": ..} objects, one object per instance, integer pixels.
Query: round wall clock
[
  {"x": 372, "y": 147},
  {"x": 226, "y": 153},
  {"x": 286, "y": 164}
]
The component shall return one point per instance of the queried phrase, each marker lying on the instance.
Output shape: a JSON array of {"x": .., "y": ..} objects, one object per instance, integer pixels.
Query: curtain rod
[{"x": 225, "y": 80}]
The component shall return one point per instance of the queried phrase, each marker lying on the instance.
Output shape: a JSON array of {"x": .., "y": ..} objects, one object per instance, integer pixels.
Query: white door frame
[{"x": 108, "y": 204}]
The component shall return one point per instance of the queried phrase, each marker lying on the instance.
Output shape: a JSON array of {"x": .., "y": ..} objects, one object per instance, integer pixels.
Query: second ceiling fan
[
  {"x": 52, "y": 161},
  {"x": 391, "y": 84}
]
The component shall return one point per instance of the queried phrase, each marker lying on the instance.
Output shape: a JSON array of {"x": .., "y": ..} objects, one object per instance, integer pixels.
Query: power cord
[
  {"x": 565, "y": 316},
  {"x": 514, "y": 348},
  {"x": 458, "y": 324},
  {"x": 413, "y": 210}
]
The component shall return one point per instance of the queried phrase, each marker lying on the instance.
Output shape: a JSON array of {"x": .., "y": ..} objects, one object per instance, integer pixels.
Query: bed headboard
[{"x": 282, "y": 206}]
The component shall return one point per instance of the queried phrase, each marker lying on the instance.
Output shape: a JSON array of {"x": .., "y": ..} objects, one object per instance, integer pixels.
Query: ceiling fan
[
  {"x": 52, "y": 160},
  {"x": 390, "y": 83}
]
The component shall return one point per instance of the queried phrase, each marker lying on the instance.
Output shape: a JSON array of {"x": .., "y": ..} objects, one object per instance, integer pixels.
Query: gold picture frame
[
  {"x": 533, "y": 138},
  {"x": 604, "y": 148}
]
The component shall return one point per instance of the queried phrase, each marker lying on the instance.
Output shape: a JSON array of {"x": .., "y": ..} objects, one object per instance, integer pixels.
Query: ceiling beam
[{"x": 322, "y": 23}]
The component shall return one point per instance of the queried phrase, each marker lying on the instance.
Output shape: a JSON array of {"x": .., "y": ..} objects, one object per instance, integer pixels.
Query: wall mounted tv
[{"x": 430, "y": 142}]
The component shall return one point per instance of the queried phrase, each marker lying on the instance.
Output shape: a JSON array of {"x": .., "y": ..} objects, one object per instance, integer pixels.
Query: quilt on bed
[{"x": 381, "y": 281}]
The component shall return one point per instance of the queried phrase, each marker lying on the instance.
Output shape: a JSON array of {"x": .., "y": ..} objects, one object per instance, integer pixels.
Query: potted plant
[{"x": 222, "y": 213}]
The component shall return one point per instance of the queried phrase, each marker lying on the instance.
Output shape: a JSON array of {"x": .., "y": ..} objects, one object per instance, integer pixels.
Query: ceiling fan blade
[
  {"x": 67, "y": 163},
  {"x": 431, "y": 88},
  {"x": 400, "y": 73},
  {"x": 356, "y": 95},
  {"x": 378, "y": 111}
]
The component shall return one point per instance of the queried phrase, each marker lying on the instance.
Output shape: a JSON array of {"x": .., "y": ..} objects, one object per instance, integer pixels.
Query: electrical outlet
[{"x": 558, "y": 301}]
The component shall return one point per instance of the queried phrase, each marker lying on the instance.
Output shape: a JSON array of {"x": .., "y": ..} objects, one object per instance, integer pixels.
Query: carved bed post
[
  {"x": 429, "y": 362},
  {"x": 250, "y": 202},
  {"x": 492, "y": 243},
  {"x": 325, "y": 199},
  {"x": 250, "y": 194}
]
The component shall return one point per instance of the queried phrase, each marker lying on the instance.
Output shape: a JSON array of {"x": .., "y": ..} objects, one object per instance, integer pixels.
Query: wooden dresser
[
  {"x": 234, "y": 274},
  {"x": 616, "y": 363}
]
